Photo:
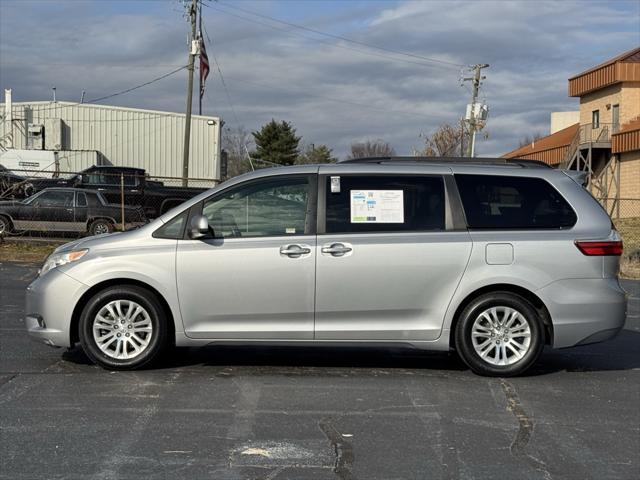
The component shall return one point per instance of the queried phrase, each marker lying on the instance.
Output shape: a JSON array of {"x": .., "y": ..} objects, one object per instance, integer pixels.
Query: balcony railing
[{"x": 600, "y": 134}]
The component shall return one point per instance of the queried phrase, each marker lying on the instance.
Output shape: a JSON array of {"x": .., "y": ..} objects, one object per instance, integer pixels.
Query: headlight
[{"x": 62, "y": 258}]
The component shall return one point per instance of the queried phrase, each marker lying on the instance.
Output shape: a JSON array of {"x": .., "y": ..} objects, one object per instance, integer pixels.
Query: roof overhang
[{"x": 623, "y": 68}]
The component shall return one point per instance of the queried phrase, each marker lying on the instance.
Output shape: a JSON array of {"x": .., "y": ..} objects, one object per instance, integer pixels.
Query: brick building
[{"x": 605, "y": 142}]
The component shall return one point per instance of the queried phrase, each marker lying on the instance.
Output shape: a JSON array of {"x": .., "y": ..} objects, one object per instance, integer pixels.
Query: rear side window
[
  {"x": 361, "y": 204},
  {"x": 503, "y": 202},
  {"x": 81, "y": 199}
]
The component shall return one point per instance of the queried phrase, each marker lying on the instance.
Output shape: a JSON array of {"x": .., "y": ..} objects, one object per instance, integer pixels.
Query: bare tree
[
  {"x": 528, "y": 139},
  {"x": 446, "y": 141},
  {"x": 371, "y": 148},
  {"x": 311, "y": 154},
  {"x": 237, "y": 142}
]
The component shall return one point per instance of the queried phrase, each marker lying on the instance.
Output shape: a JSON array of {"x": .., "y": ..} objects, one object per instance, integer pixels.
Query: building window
[
  {"x": 615, "y": 118},
  {"x": 595, "y": 119}
]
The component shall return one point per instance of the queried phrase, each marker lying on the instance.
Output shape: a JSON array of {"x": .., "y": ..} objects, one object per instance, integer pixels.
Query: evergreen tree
[{"x": 276, "y": 143}]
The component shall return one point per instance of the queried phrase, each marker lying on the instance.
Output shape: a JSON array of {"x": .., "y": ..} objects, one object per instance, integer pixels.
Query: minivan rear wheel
[
  {"x": 499, "y": 334},
  {"x": 123, "y": 328}
]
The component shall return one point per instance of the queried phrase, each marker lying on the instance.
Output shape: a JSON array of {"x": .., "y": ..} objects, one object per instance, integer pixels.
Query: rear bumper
[
  {"x": 50, "y": 301},
  {"x": 584, "y": 310}
]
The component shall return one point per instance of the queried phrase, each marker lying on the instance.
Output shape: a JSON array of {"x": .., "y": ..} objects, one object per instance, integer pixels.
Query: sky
[{"x": 335, "y": 92}]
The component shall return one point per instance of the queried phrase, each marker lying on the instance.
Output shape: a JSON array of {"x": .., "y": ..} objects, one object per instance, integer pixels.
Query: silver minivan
[{"x": 491, "y": 258}]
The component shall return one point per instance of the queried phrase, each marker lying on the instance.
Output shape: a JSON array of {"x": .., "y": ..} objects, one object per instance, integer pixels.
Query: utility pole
[
  {"x": 472, "y": 120},
  {"x": 200, "y": 39},
  {"x": 193, "y": 50}
]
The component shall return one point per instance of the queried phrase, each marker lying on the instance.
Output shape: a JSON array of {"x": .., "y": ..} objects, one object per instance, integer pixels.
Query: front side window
[
  {"x": 362, "y": 204},
  {"x": 54, "y": 199},
  {"x": 503, "y": 202},
  {"x": 270, "y": 207}
]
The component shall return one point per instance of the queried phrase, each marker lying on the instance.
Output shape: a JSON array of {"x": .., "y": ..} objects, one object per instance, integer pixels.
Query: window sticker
[
  {"x": 335, "y": 184},
  {"x": 377, "y": 206}
]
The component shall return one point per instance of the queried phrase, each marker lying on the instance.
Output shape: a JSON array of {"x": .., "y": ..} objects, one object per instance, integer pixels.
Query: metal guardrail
[{"x": 601, "y": 134}]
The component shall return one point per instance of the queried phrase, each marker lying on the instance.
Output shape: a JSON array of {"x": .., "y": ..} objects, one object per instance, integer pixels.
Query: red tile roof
[{"x": 549, "y": 148}]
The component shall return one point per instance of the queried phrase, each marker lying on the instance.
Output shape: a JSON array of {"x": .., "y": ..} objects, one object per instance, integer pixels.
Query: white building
[{"x": 88, "y": 134}]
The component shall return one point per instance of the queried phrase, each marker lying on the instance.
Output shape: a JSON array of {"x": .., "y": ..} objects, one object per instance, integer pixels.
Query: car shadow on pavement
[{"x": 621, "y": 353}]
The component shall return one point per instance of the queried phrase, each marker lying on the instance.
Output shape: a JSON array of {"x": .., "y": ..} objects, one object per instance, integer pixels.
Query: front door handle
[
  {"x": 294, "y": 251},
  {"x": 337, "y": 249}
]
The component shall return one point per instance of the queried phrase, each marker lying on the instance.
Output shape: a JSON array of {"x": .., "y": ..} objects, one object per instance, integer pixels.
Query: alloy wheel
[
  {"x": 100, "y": 229},
  {"x": 501, "y": 335},
  {"x": 122, "y": 329}
]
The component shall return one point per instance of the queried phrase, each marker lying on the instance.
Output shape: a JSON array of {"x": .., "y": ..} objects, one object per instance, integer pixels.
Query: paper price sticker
[{"x": 377, "y": 206}]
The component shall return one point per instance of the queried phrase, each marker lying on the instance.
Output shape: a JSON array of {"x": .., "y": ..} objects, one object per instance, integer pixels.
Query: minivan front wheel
[
  {"x": 123, "y": 328},
  {"x": 499, "y": 334}
]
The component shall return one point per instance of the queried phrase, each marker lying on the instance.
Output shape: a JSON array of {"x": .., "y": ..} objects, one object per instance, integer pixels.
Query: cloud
[{"x": 333, "y": 91}]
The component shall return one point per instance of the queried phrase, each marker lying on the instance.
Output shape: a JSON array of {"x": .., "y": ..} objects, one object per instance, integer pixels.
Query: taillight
[{"x": 600, "y": 248}]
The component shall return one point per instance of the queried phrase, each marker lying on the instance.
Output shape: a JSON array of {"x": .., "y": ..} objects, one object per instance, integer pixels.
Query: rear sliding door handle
[
  {"x": 294, "y": 251},
  {"x": 336, "y": 249}
]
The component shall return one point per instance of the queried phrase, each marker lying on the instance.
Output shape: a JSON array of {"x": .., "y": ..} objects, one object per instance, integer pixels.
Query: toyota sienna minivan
[{"x": 491, "y": 258}]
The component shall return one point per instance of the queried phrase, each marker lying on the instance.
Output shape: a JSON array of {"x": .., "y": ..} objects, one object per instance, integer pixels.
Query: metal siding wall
[{"x": 143, "y": 139}]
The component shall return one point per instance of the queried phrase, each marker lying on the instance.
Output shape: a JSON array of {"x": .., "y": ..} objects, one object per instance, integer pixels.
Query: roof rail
[{"x": 458, "y": 160}]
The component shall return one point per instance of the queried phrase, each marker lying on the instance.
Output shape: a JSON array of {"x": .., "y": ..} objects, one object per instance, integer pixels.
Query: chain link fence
[
  {"x": 625, "y": 213},
  {"x": 96, "y": 200}
]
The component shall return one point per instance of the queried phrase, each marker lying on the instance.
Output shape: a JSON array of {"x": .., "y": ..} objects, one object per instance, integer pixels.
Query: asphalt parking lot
[{"x": 321, "y": 413}]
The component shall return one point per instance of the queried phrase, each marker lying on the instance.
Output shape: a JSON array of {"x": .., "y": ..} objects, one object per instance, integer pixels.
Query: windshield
[{"x": 29, "y": 200}]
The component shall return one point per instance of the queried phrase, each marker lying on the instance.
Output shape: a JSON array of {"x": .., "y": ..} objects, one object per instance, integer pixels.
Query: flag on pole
[{"x": 204, "y": 66}]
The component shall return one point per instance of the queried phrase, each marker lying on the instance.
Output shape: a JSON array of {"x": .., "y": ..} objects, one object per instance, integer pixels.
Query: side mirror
[{"x": 199, "y": 227}]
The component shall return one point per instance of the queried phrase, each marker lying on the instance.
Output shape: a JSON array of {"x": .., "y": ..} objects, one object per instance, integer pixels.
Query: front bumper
[
  {"x": 50, "y": 301},
  {"x": 584, "y": 310}
]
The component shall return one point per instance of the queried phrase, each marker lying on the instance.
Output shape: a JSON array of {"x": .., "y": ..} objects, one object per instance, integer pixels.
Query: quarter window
[
  {"x": 361, "y": 204},
  {"x": 81, "y": 199},
  {"x": 271, "y": 207},
  {"x": 502, "y": 202},
  {"x": 174, "y": 228}
]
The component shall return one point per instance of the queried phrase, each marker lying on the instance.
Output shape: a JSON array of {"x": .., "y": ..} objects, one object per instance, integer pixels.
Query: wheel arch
[
  {"x": 90, "y": 220},
  {"x": 74, "y": 335},
  {"x": 525, "y": 293}
]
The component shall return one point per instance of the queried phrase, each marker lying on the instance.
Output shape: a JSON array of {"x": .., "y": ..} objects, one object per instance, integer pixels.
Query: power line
[
  {"x": 226, "y": 91},
  {"x": 122, "y": 92},
  {"x": 344, "y": 47},
  {"x": 345, "y": 39}
]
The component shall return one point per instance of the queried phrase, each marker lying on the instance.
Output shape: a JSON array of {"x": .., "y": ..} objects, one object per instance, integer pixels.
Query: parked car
[
  {"x": 66, "y": 210},
  {"x": 493, "y": 259},
  {"x": 154, "y": 197}
]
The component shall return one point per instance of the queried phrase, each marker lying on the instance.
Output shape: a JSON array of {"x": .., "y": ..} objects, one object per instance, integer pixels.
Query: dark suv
[{"x": 66, "y": 210}]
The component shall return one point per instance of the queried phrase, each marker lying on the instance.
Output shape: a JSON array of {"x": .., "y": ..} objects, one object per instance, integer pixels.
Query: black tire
[
  {"x": 6, "y": 226},
  {"x": 502, "y": 301},
  {"x": 132, "y": 295},
  {"x": 100, "y": 227}
]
